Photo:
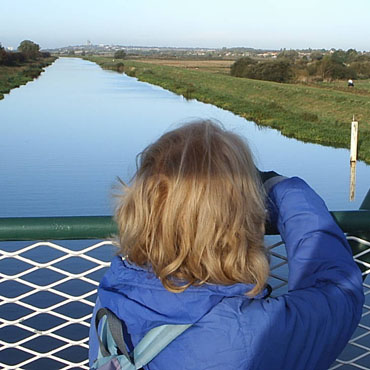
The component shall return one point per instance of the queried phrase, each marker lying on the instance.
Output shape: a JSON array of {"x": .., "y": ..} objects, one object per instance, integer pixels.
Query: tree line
[
  {"x": 27, "y": 51},
  {"x": 288, "y": 66}
]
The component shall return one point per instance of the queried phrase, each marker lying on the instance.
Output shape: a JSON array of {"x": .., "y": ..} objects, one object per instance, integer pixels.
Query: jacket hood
[{"x": 138, "y": 298}]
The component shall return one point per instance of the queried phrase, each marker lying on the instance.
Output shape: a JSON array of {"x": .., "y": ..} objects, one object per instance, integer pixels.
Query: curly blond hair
[{"x": 194, "y": 211}]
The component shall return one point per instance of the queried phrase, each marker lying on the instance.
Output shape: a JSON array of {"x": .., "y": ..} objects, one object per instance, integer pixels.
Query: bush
[
  {"x": 131, "y": 72},
  {"x": 240, "y": 68},
  {"x": 3, "y": 55},
  {"x": 288, "y": 54},
  {"x": 11, "y": 58},
  {"x": 276, "y": 70},
  {"x": 312, "y": 68},
  {"x": 120, "y": 67},
  {"x": 120, "y": 54},
  {"x": 316, "y": 55},
  {"x": 287, "y": 69},
  {"x": 32, "y": 72},
  {"x": 362, "y": 69},
  {"x": 331, "y": 69}
]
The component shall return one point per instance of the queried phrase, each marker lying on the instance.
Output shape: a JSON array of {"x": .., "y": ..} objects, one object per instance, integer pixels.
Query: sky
[{"x": 264, "y": 24}]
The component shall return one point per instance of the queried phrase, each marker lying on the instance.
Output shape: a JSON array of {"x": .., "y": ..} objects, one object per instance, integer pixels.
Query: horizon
[
  {"x": 14, "y": 47},
  {"x": 188, "y": 47},
  {"x": 267, "y": 25}
]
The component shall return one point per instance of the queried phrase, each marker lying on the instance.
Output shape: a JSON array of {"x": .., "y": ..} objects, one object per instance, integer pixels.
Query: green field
[
  {"x": 14, "y": 76},
  {"x": 361, "y": 86},
  {"x": 319, "y": 113}
]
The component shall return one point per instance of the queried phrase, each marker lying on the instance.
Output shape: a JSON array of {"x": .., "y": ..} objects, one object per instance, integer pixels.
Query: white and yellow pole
[
  {"x": 354, "y": 139},
  {"x": 353, "y": 158}
]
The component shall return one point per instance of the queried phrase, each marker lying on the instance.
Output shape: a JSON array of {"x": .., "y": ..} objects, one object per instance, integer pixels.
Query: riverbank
[
  {"x": 318, "y": 114},
  {"x": 15, "y": 76}
]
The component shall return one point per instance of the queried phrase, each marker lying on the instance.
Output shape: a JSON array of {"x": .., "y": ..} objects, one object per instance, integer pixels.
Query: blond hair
[{"x": 194, "y": 212}]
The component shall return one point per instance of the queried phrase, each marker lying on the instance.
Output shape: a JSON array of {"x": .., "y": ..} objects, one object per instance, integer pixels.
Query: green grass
[
  {"x": 320, "y": 113},
  {"x": 362, "y": 87},
  {"x": 15, "y": 76}
]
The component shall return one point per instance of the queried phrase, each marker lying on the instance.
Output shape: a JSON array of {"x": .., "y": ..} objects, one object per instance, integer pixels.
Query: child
[{"x": 191, "y": 228}]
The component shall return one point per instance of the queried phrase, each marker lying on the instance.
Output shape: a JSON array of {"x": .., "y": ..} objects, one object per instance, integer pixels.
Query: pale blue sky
[{"x": 192, "y": 23}]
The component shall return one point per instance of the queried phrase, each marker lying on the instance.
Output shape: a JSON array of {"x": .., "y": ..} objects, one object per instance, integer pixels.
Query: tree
[
  {"x": 120, "y": 54},
  {"x": 271, "y": 70},
  {"x": 351, "y": 55},
  {"x": 331, "y": 68},
  {"x": 3, "y": 55},
  {"x": 316, "y": 55},
  {"x": 361, "y": 69},
  {"x": 288, "y": 54},
  {"x": 241, "y": 67},
  {"x": 29, "y": 49},
  {"x": 275, "y": 70},
  {"x": 339, "y": 56}
]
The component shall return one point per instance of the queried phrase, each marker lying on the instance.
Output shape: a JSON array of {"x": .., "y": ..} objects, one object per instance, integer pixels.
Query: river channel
[{"x": 66, "y": 136}]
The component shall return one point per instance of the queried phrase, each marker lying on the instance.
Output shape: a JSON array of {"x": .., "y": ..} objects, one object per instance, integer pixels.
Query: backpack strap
[
  {"x": 150, "y": 345},
  {"x": 155, "y": 341},
  {"x": 115, "y": 328}
]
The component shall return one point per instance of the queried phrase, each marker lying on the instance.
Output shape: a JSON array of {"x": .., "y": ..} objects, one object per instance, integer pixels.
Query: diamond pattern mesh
[{"x": 48, "y": 290}]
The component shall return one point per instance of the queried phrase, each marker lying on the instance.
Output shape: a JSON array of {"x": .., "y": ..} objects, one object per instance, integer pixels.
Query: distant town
[
  {"x": 165, "y": 52},
  {"x": 174, "y": 52},
  {"x": 180, "y": 52}
]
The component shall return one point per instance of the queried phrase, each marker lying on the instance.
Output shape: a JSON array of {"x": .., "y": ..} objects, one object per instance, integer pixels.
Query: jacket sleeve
[
  {"x": 316, "y": 247},
  {"x": 322, "y": 308}
]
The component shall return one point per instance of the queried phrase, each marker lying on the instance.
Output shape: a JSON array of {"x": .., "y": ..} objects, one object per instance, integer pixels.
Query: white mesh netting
[{"x": 48, "y": 290}]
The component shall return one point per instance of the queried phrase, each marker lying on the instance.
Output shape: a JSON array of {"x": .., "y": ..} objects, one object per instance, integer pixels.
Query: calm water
[{"x": 67, "y": 135}]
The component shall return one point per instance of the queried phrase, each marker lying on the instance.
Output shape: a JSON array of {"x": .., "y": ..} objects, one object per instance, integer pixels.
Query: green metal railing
[
  {"x": 101, "y": 227},
  {"x": 355, "y": 223},
  {"x": 56, "y": 228}
]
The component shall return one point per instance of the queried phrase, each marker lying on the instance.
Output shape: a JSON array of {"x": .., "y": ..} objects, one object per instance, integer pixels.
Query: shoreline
[
  {"x": 307, "y": 113},
  {"x": 12, "y": 77}
]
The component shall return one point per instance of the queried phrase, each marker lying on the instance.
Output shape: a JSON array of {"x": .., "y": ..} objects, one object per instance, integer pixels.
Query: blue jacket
[{"x": 305, "y": 329}]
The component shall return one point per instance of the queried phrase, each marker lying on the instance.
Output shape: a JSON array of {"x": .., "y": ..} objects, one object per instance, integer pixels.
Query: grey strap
[
  {"x": 150, "y": 345},
  {"x": 115, "y": 327},
  {"x": 155, "y": 341}
]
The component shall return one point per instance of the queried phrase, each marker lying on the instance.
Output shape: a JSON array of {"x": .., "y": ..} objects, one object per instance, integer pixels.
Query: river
[{"x": 67, "y": 135}]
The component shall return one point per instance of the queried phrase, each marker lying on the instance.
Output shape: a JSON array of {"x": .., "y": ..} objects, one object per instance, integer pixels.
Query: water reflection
[{"x": 352, "y": 186}]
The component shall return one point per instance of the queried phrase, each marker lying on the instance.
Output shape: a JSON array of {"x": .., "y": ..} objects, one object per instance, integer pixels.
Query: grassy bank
[
  {"x": 320, "y": 114},
  {"x": 15, "y": 76}
]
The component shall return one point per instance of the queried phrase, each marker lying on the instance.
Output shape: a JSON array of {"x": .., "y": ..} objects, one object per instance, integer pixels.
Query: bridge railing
[{"x": 50, "y": 269}]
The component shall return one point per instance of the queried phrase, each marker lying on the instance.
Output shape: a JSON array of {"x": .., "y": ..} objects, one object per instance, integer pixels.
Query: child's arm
[{"x": 313, "y": 322}]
